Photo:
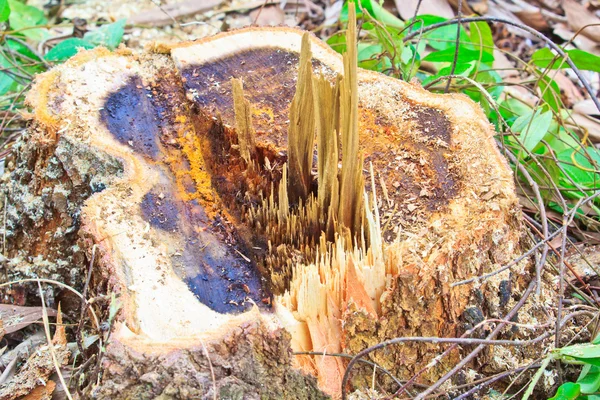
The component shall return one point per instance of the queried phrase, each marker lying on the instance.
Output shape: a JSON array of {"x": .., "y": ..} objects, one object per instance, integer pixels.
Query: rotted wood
[{"x": 214, "y": 248}]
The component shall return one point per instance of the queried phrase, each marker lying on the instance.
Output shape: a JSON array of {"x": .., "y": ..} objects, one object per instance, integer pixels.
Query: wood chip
[{"x": 42, "y": 392}]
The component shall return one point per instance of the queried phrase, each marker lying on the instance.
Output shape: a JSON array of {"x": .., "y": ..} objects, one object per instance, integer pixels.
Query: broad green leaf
[
  {"x": 23, "y": 17},
  {"x": 366, "y": 51},
  {"x": 391, "y": 46},
  {"x": 461, "y": 69},
  {"x": 441, "y": 38},
  {"x": 465, "y": 55},
  {"x": 545, "y": 58},
  {"x": 337, "y": 42},
  {"x": 564, "y": 140},
  {"x": 481, "y": 37},
  {"x": 4, "y": 10},
  {"x": 532, "y": 127},
  {"x": 511, "y": 109},
  {"x": 368, "y": 57},
  {"x": 589, "y": 379},
  {"x": 567, "y": 391},
  {"x": 584, "y": 60},
  {"x": 410, "y": 68},
  {"x": 550, "y": 93},
  {"x": 382, "y": 15},
  {"x": 67, "y": 49},
  {"x": 485, "y": 75},
  {"x": 596, "y": 339},
  {"x": 7, "y": 82},
  {"x": 582, "y": 351},
  {"x": 368, "y": 26},
  {"x": 375, "y": 10},
  {"x": 14, "y": 45},
  {"x": 581, "y": 166},
  {"x": 107, "y": 35},
  {"x": 407, "y": 55}
]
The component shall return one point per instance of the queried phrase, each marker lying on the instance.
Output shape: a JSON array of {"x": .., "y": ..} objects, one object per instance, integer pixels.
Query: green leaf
[
  {"x": 510, "y": 109},
  {"x": 4, "y": 10},
  {"x": 337, "y": 42},
  {"x": 461, "y": 69},
  {"x": 375, "y": 10},
  {"x": 589, "y": 379},
  {"x": 563, "y": 140},
  {"x": 596, "y": 339},
  {"x": 441, "y": 38},
  {"x": 409, "y": 53},
  {"x": 567, "y": 391},
  {"x": 382, "y": 15},
  {"x": 585, "y": 350},
  {"x": 107, "y": 35},
  {"x": 545, "y": 58},
  {"x": 23, "y": 17},
  {"x": 67, "y": 49},
  {"x": 22, "y": 49},
  {"x": 581, "y": 166},
  {"x": 532, "y": 127},
  {"x": 7, "y": 81},
  {"x": 368, "y": 57},
  {"x": 465, "y": 55},
  {"x": 485, "y": 75},
  {"x": 481, "y": 37},
  {"x": 550, "y": 93}
]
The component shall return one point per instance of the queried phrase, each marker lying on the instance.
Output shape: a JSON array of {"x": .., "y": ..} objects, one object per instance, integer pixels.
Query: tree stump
[{"x": 221, "y": 273}]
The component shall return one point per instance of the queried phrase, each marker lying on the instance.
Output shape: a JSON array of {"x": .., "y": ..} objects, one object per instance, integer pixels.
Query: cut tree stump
[{"x": 221, "y": 275}]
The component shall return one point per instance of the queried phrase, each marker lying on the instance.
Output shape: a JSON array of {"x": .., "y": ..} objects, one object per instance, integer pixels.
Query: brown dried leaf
[
  {"x": 406, "y": 8},
  {"x": 578, "y": 16},
  {"x": 499, "y": 9},
  {"x": 589, "y": 125},
  {"x": 480, "y": 7},
  {"x": 268, "y": 16},
  {"x": 564, "y": 32},
  {"x": 586, "y": 115},
  {"x": 533, "y": 18},
  {"x": 166, "y": 14},
  {"x": 586, "y": 107},
  {"x": 465, "y": 8},
  {"x": 503, "y": 66},
  {"x": 570, "y": 92},
  {"x": 17, "y": 317}
]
